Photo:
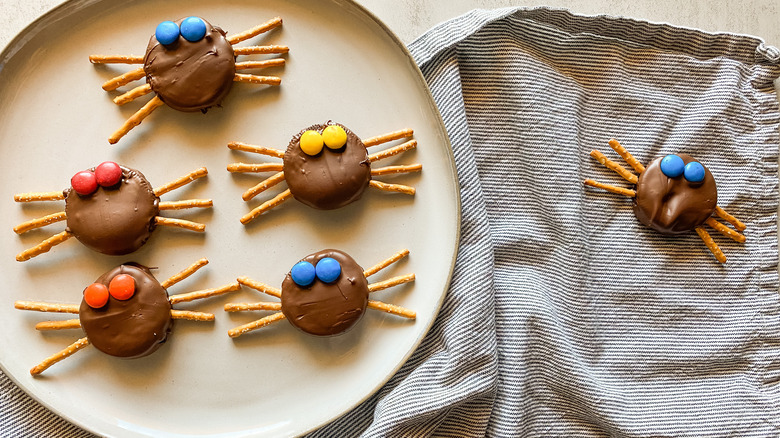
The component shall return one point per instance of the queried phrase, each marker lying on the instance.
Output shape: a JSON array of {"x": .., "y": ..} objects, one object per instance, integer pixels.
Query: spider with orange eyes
[
  {"x": 673, "y": 195},
  {"x": 190, "y": 65}
]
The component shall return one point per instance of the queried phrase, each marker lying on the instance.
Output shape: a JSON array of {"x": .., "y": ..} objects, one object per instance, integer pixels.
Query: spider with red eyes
[
  {"x": 125, "y": 313},
  {"x": 190, "y": 65},
  {"x": 111, "y": 209},
  {"x": 673, "y": 195}
]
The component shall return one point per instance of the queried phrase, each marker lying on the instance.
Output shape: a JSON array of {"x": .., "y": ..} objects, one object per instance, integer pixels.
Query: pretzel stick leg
[
  {"x": 373, "y": 287},
  {"x": 411, "y": 144},
  {"x": 399, "y": 188},
  {"x": 43, "y": 247},
  {"x": 711, "y": 245},
  {"x": 267, "y": 205},
  {"x": 384, "y": 138},
  {"x": 39, "y": 306},
  {"x": 392, "y": 308},
  {"x": 730, "y": 219},
  {"x": 40, "y": 222},
  {"x": 385, "y": 263},
  {"x": 193, "y": 268},
  {"x": 190, "y": 296},
  {"x": 259, "y": 50},
  {"x": 611, "y": 165},
  {"x": 257, "y": 30},
  {"x": 726, "y": 231},
  {"x": 39, "y": 196},
  {"x": 271, "y": 152},
  {"x": 115, "y": 59},
  {"x": 263, "y": 186},
  {"x": 387, "y": 170},
  {"x": 240, "y": 307},
  {"x": 58, "y": 325},
  {"x": 136, "y": 119},
  {"x": 133, "y": 75},
  {"x": 255, "y": 168},
  {"x": 260, "y": 323},
  {"x": 189, "y": 203},
  {"x": 255, "y": 79},
  {"x": 627, "y": 157},
  {"x": 614, "y": 189},
  {"x": 261, "y": 287},
  {"x": 64, "y": 354},
  {"x": 246, "y": 65},
  {"x": 191, "y": 316},
  {"x": 180, "y": 223},
  {"x": 179, "y": 182},
  {"x": 141, "y": 90}
]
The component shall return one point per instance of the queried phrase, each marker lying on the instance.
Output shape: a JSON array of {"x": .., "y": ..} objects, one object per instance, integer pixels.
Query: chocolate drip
[
  {"x": 114, "y": 220},
  {"x": 131, "y": 328},
  {"x": 330, "y": 179},
  {"x": 674, "y": 205},
  {"x": 327, "y": 309},
  {"x": 191, "y": 76}
]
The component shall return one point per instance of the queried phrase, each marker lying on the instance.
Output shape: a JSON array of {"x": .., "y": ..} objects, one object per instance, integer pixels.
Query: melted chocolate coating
[
  {"x": 327, "y": 309},
  {"x": 131, "y": 328},
  {"x": 191, "y": 76},
  {"x": 674, "y": 205},
  {"x": 330, "y": 179},
  {"x": 114, "y": 220}
]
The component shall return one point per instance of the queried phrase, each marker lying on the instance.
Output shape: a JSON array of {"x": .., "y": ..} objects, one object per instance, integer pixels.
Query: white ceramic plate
[{"x": 54, "y": 120}]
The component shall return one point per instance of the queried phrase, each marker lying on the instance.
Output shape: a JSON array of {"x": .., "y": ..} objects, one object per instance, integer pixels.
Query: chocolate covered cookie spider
[
  {"x": 111, "y": 209},
  {"x": 326, "y": 167},
  {"x": 190, "y": 65},
  {"x": 673, "y": 195},
  {"x": 125, "y": 313},
  {"x": 324, "y": 294}
]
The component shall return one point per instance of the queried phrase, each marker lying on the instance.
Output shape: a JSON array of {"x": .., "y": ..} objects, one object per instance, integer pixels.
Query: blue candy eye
[
  {"x": 167, "y": 32},
  {"x": 193, "y": 29},
  {"x": 303, "y": 273},
  {"x": 328, "y": 270},
  {"x": 672, "y": 166},
  {"x": 694, "y": 172}
]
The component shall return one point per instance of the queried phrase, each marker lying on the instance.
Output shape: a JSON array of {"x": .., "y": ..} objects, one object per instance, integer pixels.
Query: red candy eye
[
  {"x": 96, "y": 295},
  {"x": 122, "y": 287},
  {"x": 108, "y": 174},
  {"x": 84, "y": 183}
]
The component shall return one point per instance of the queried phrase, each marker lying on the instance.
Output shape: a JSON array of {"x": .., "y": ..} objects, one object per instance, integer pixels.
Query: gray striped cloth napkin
[{"x": 565, "y": 316}]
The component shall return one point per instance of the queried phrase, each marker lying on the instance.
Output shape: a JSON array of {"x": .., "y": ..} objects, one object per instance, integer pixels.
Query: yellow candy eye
[
  {"x": 311, "y": 142},
  {"x": 334, "y": 136}
]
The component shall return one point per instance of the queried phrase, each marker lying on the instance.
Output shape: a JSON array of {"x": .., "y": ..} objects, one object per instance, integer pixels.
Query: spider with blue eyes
[
  {"x": 190, "y": 65},
  {"x": 324, "y": 294},
  {"x": 674, "y": 194}
]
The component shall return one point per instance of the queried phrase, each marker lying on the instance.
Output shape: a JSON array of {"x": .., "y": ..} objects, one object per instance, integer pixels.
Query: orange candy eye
[
  {"x": 122, "y": 287},
  {"x": 96, "y": 295}
]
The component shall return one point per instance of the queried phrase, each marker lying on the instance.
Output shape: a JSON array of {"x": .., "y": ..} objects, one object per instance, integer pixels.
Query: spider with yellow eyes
[
  {"x": 190, "y": 65},
  {"x": 674, "y": 194},
  {"x": 326, "y": 166}
]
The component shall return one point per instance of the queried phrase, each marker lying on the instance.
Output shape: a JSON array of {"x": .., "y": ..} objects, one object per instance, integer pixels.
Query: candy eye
[
  {"x": 122, "y": 287},
  {"x": 334, "y": 136},
  {"x": 311, "y": 142},
  {"x": 303, "y": 273},
  {"x": 84, "y": 183},
  {"x": 167, "y": 32},
  {"x": 694, "y": 172},
  {"x": 96, "y": 295},
  {"x": 672, "y": 166},
  {"x": 328, "y": 270},
  {"x": 193, "y": 29},
  {"x": 108, "y": 174}
]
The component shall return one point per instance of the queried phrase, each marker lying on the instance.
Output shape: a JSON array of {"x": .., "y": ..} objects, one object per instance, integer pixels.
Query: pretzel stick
[
  {"x": 382, "y": 265},
  {"x": 115, "y": 59},
  {"x": 726, "y": 231},
  {"x": 730, "y": 219},
  {"x": 260, "y": 323},
  {"x": 39, "y": 306},
  {"x": 259, "y": 50},
  {"x": 263, "y": 186},
  {"x": 240, "y": 307},
  {"x": 189, "y": 203},
  {"x": 395, "y": 150},
  {"x": 192, "y": 316},
  {"x": 257, "y": 30},
  {"x": 267, "y": 205},
  {"x": 141, "y": 90},
  {"x": 184, "y": 180},
  {"x": 276, "y": 62},
  {"x": 713, "y": 247},
  {"x": 40, "y": 222},
  {"x": 255, "y": 79},
  {"x": 132, "y": 75},
  {"x": 39, "y": 196},
  {"x": 193, "y": 268},
  {"x": 614, "y": 189},
  {"x": 262, "y": 287},
  {"x": 384, "y": 138},
  {"x": 44, "y": 246},
  {"x": 620, "y": 170},
  {"x": 136, "y": 119},
  {"x": 180, "y": 223},
  {"x": 64, "y": 354},
  {"x": 392, "y": 308},
  {"x": 256, "y": 168},
  {"x": 183, "y": 298},
  {"x": 58, "y": 325},
  {"x": 633, "y": 162},
  {"x": 400, "y": 188},
  {"x": 238, "y": 146},
  {"x": 396, "y": 169},
  {"x": 373, "y": 287}
]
